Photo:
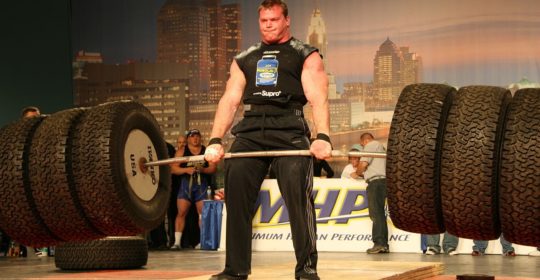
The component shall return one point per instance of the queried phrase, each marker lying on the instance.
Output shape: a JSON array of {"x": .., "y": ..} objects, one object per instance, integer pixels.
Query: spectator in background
[
  {"x": 30, "y": 111},
  {"x": 194, "y": 182},
  {"x": 374, "y": 172},
  {"x": 449, "y": 246},
  {"x": 349, "y": 172},
  {"x": 480, "y": 246}
]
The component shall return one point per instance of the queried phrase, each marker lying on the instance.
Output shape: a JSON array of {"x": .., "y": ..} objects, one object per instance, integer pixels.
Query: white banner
[{"x": 343, "y": 222}]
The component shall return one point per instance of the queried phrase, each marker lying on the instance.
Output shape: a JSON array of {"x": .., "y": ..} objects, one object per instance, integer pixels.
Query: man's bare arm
[
  {"x": 315, "y": 84},
  {"x": 227, "y": 107},
  {"x": 229, "y": 102},
  {"x": 362, "y": 166}
]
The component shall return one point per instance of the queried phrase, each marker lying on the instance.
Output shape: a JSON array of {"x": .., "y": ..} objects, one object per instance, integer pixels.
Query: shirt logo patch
[
  {"x": 268, "y": 93},
  {"x": 267, "y": 71}
]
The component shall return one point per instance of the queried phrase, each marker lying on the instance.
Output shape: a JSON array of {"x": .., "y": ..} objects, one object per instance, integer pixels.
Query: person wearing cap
[
  {"x": 194, "y": 182},
  {"x": 274, "y": 79}
]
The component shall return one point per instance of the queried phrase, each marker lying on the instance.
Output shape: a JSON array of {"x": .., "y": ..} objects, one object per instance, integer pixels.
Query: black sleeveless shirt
[
  {"x": 273, "y": 73},
  {"x": 188, "y": 153}
]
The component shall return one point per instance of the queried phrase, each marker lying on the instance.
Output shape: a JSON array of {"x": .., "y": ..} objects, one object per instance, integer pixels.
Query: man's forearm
[
  {"x": 223, "y": 119},
  {"x": 321, "y": 118},
  {"x": 229, "y": 102},
  {"x": 361, "y": 169},
  {"x": 209, "y": 170}
]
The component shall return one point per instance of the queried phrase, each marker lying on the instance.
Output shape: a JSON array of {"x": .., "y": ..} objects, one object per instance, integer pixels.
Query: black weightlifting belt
[{"x": 253, "y": 110}]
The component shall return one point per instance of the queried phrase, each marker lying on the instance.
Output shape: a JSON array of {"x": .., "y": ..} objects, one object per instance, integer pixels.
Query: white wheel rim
[{"x": 142, "y": 180}]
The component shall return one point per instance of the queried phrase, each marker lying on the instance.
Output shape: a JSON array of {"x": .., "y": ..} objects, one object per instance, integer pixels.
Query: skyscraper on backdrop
[
  {"x": 317, "y": 37},
  {"x": 364, "y": 105},
  {"x": 196, "y": 41},
  {"x": 393, "y": 68},
  {"x": 204, "y": 35}
]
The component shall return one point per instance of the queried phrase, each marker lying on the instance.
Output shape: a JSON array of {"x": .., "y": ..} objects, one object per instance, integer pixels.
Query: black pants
[{"x": 243, "y": 179}]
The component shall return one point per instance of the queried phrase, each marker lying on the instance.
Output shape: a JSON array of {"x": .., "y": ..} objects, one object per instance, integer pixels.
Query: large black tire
[
  {"x": 106, "y": 253},
  {"x": 102, "y": 168},
  {"x": 51, "y": 178},
  {"x": 413, "y": 157},
  {"x": 18, "y": 214},
  {"x": 470, "y": 162},
  {"x": 520, "y": 177}
]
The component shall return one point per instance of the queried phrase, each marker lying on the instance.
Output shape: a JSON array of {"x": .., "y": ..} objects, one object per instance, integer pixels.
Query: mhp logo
[{"x": 339, "y": 205}]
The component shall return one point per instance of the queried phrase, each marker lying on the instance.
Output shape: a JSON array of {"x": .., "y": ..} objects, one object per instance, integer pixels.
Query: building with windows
[
  {"x": 205, "y": 36},
  {"x": 162, "y": 88},
  {"x": 393, "y": 69}
]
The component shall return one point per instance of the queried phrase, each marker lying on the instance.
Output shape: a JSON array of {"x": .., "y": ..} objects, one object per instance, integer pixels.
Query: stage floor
[{"x": 196, "y": 264}]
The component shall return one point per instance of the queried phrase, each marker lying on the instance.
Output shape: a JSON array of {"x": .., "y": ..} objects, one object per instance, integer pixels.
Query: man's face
[
  {"x": 273, "y": 25},
  {"x": 354, "y": 161},
  {"x": 364, "y": 142},
  {"x": 30, "y": 114},
  {"x": 194, "y": 139}
]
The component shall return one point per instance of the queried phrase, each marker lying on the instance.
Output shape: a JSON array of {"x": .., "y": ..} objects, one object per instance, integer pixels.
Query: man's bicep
[
  {"x": 314, "y": 79},
  {"x": 235, "y": 84}
]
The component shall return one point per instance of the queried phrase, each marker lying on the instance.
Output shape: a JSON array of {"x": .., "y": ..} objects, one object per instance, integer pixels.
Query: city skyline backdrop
[
  {"x": 478, "y": 42},
  {"x": 188, "y": 39},
  {"x": 165, "y": 54}
]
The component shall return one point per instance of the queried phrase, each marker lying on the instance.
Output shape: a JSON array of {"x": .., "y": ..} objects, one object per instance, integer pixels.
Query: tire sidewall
[{"x": 143, "y": 211}]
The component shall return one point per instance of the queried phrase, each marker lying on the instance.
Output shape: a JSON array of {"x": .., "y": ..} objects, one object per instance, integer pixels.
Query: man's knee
[{"x": 182, "y": 215}]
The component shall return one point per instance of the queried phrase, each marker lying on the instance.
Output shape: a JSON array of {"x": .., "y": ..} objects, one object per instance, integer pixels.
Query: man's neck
[
  {"x": 195, "y": 149},
  {"x": 280, "y": 41}
]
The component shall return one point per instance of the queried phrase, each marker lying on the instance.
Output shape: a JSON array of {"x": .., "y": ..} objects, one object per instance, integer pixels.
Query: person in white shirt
[{"x": 349, "y": 172}]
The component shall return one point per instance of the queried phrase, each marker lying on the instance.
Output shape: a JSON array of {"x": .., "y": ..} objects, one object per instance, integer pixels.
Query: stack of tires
[
  {"x": 466, "y": 161},
  {"x": 67, "y": 177}
]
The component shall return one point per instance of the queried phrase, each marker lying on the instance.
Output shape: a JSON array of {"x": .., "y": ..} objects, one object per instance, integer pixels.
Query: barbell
[
  {"x": 284, "y": 153},
  {"x": 107, "y": 167}
]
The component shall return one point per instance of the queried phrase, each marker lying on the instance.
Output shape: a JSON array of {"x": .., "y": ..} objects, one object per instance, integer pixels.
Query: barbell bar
[{"x": 335, "y": 153}]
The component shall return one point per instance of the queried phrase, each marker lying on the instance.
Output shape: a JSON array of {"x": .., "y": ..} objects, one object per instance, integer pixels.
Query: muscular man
[
  {"x": 274, "y": 79},
  {"x": 193, "y": 183},
  {"x": 374, "y": 172}
]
